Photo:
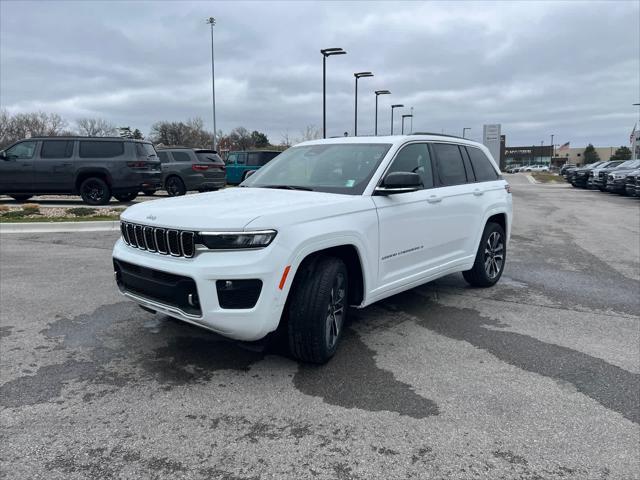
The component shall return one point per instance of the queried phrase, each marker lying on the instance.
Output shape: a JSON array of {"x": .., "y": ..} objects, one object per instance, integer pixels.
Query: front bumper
[
  {"x": 616, "y": 185},
  {"x": 631, "y": 189},
  {"x": 205, "y": 269}
]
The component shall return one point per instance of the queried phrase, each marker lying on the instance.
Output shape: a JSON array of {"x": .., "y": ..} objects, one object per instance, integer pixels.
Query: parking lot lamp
[
  {"x": 634, "y": 142},
  {"x": 212, "y": 21},
  {"x": 379, "y": 92},
  {"x": 398, "y": 105},
  {"x": 464, "y": 130},
  {"x": 358, "y": 76},
  {"x": 408, "y": 115},
  {"x": 326, "y": 52},
  {"x": 552, "y": 150}
]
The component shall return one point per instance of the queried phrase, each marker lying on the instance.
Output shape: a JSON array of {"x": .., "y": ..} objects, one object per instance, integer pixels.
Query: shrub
[
  {"x": 31, "y": 209},
  {"x": 81, "y": 211},
  {"x": 4, "y": 208},
  {"x": 14, "y": 214}
]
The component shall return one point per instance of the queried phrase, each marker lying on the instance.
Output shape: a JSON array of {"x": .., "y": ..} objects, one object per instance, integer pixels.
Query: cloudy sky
[{"x": 567, "y": 68}]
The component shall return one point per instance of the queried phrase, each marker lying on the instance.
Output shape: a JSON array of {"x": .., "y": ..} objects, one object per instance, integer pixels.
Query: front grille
[{"x": 177, "y": 243}]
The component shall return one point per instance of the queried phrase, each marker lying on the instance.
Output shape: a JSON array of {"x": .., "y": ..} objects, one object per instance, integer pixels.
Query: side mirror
[
  {"x": 249, "y": 173},
  {"x": 3, "y": 155},
  {"x": 399, "y": 182}
]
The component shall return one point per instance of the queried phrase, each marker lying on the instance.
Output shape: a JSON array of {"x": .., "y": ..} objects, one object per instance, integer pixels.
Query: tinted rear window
[
  {"x": 145, "y": 150},
  {"x": 89, "y": 149},
  {"x": 481, "y": 165},
  {"x": 164, "y": 157},
  {"x": 450, "y": 164},
  {"x": 57, "y": 149},
  {"x": 181, "y": 156},
  {"x": 209, "y": 157}
]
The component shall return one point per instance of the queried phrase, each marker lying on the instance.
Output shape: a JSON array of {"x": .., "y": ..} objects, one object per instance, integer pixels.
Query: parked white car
[
  {"x": 325, "y": 225},
  {"x": 535, "y": 168}
]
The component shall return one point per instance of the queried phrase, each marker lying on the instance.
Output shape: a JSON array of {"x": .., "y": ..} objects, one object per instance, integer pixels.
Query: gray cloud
[{"x": 572, "y": 69}]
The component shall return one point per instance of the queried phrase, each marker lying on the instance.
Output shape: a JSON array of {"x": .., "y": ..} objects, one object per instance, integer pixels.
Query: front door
[
  {"x": 409, "y": 235},
  {"x": 16, "y": 168}
]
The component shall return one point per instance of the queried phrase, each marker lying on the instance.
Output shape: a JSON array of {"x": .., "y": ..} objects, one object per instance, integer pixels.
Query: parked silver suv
[{"x": 185, "y": 169}]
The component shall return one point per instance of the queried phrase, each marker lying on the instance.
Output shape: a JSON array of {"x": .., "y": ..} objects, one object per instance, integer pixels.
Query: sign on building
[{"x": 491, "y": 139}]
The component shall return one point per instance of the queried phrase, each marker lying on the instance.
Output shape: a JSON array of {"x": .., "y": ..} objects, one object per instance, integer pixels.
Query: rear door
[
  {"x": 54, "y": 167},
  {"x": 16, "y": 169},
  {"x": 461, "y": 207}
]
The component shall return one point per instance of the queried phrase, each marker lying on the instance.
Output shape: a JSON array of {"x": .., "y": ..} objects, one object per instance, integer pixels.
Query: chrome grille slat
[{"x": 163, "y": 241}]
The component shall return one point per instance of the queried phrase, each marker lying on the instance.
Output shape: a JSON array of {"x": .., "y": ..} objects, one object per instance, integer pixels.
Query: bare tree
[
  {"x": 311, "y": 132},
  {"x": 187, "y": 134},
  {"x": 96, "y": 127},
  {"x": 23, "y": 125},
  {"x": 285, "y": 140}
]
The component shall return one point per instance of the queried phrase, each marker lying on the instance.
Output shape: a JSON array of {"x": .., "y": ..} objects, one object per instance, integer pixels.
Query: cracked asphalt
[{"x": 536, "y": 378}]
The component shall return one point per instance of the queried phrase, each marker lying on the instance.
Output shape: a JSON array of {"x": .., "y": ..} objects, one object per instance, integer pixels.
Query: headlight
[
  {"x": 618, "y": 176},
  {"x": 237, "y": 240}
]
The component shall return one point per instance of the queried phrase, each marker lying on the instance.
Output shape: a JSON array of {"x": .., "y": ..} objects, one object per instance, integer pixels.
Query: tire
[
  {"x": 487, "y": 268},
  {"x": 125, "y": 197},
  {"x": 21, "y": 198},
  {"x": 95, "y": 191},
  {"x": 149, "y": 192},
  {"x": 175, "y": 186},
  {"x": 318, "y": 310}
]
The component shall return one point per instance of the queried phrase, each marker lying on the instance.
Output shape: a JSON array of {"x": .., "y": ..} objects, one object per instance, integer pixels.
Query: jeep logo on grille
[{"x": 151, "y": 217}]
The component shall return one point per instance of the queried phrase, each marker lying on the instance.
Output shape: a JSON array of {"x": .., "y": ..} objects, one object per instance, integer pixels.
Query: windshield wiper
[{"x": 287, "y": 187}]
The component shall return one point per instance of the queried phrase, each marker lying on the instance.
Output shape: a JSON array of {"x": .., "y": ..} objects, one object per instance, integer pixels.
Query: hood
[{"x": 235, "y": 208}]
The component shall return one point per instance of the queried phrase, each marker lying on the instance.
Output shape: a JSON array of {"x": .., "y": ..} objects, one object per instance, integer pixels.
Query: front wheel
[
  {"x": 125, "y": 197},
  {"x": 490, "y": 258},
  {"x": 95, "y": 191},
  {"x": 175, "y": 187},
  {"x": 318, "y": 310}
]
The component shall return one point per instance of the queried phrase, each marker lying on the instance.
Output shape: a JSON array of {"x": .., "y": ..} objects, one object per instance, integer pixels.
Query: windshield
[
  {"x": 334, "y": 168},
  {"x": 628, "y": 164}
]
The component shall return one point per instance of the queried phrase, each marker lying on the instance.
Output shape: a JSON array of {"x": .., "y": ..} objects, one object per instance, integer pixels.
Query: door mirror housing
[
  {"x": 3, "y": 155},
  {"x": 399, "y": 182},
  {"x": 249, "y": 173}
]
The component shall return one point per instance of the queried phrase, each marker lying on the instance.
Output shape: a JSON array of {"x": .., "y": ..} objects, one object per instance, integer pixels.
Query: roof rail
[{"x": 438, "y": 135}]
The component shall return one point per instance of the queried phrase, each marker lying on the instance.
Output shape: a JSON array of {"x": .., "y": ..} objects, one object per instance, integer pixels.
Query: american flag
[{"x": 564, "y": 146}]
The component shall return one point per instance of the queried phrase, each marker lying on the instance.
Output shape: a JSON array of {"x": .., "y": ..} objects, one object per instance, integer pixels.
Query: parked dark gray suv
[
  {"x": 185, "y": 169},
  {"x": 94, "y": 168}
]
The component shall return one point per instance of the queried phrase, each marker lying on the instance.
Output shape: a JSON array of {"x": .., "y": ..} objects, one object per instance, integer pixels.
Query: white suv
[{"x": 326, "y": 225}]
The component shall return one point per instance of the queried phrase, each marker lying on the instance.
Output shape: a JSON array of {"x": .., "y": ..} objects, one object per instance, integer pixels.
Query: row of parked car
[
  {"x": 100, "y": 168},
  {"x": 527, "y": 168},
  {"x": 616, "y": 176}
]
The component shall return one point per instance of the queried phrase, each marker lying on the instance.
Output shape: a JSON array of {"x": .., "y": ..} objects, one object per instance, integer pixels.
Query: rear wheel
[
  {"x": 175, "y": 186},
  {"x": 318, "y": 310},
  {"x": 125, "y": 197},
  {"x": 95, "y": 191},
  {"x": 490, "y": 258},
  {"x": 21, "y": 198}
]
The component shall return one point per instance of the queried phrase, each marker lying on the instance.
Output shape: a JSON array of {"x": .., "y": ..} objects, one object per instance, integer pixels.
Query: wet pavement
[{"x": 536, "y": 378}]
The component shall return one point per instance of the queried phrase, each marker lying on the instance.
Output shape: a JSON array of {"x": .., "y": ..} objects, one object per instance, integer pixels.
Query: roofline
[{"x": 82, "y": 137}]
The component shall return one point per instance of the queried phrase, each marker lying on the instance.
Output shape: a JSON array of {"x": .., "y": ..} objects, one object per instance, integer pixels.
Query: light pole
[
  {"x": 212, "y": 21},
  {"x": 379, "y": 92},
  {"x": 327, "y": 52},
  {"x": 464, "y": 131},
  {"x": 408, "y": 115},
  {"x": 358, "y": 76},
  {"x": 398, "y": 105},
  {"x": 634, "y": 142},
  {"x": 552, "y": 151},
  {"x": 411, "y": 120}
]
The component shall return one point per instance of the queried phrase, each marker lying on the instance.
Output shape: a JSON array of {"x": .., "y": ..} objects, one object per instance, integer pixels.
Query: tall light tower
[
  {"x": 393, "y": 107},
  {"x": 464, "y": 131},
  {"x": 212, "y": 21},
  {"x": 326, "y": 52},
  {"x": 358, "y": 76},
  {"x": 408, "y": 115},
  {"x": 379, "y": 92}
]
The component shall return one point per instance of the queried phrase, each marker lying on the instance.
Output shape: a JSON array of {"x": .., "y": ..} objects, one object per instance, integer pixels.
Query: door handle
[
  {"x": 434, "y": 199},
  {"x": 477, "y": 192},
  {"x": 67, "y": 164}
]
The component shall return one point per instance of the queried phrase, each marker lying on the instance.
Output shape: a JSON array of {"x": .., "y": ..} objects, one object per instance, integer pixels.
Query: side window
[
  {"x": 181, "y": 156},
  {"x": 92, "y": 149},
  {"x": 22, "y": 150},
  {"x": 414, "y": 158},
  {"x": 450, "y": 165},
  {"x": 253, "y": 159},
  {"x": 242, "y": 158},
  {"x": 481, "y": 165},
  {"x": 266, "y": 157},
  {"x": 232, "y": 158},
  {"x": 164, "y": 157},
  {"x": 56, "y": 149}
]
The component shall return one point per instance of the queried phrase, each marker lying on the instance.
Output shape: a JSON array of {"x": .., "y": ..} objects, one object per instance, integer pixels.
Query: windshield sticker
[{"x": 350, "y": 183}]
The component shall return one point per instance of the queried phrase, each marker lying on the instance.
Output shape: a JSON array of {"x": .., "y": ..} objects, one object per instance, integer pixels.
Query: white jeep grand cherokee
[{"x": 326, "y": 224}]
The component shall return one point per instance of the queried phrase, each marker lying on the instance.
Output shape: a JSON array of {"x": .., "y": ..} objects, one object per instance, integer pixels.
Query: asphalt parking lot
[{"x": 536, "y": 378}]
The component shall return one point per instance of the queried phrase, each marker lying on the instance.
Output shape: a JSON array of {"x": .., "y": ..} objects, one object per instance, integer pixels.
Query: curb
[{"x": 60, "y": 227}]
